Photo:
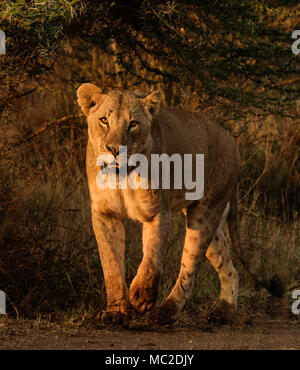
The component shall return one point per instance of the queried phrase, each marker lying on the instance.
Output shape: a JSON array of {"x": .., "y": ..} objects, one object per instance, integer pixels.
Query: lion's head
[{"x": 118, "y": 118}]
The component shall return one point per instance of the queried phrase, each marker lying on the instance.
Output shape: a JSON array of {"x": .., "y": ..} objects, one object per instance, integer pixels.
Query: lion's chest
[
  {"x": 141, "y": 205},
  {"x": 138, "y": 205}
]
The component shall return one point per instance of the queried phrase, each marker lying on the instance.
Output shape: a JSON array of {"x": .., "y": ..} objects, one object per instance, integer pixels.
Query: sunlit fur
[{"x": 160, "y": 130}]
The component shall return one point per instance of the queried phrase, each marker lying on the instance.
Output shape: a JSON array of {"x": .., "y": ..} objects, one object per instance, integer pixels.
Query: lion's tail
[{"x": 274, "y": 286}]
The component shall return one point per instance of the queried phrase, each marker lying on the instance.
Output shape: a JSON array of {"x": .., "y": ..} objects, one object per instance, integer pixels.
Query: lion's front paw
[
  {"x": 114, "y": 318},
  {"x": 143, "y": 292}
]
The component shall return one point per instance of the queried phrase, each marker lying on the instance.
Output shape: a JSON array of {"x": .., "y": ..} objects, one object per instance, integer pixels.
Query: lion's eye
[
  {"x": 133, "y": 124},
  {"x": 103, "y": 120}
]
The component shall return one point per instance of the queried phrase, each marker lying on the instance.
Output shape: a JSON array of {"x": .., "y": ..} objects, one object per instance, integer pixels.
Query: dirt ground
[
  {"x": 259, "y": 325},
  {"x": 27, "y": 336}
]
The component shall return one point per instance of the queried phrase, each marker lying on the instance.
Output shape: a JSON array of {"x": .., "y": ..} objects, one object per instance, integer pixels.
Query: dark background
[{"x": 231, "y": 59}]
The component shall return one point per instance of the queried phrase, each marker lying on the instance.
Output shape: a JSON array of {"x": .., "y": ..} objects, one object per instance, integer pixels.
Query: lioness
[{"x": 132, "y": 119}]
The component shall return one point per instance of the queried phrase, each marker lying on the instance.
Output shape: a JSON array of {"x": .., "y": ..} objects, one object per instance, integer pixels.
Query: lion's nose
[{"x": 114, "y": 149}]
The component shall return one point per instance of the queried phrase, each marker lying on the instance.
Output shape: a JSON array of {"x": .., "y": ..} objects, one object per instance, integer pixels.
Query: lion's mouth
[
  {"x": 112, "y": 165},
  {"x": 115, "y": 167}
]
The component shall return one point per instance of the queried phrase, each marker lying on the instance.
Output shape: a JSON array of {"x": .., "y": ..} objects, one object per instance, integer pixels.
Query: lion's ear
[
  {"x": 139, "y": 94},
  {"x": 88, "y": 96},
  {"x": 152, "y": 102}
]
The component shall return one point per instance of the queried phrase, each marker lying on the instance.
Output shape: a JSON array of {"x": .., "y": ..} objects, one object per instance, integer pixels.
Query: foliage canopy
[{"x": 234, "y": 53}]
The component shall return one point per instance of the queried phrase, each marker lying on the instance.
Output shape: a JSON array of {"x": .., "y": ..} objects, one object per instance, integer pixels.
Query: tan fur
[{"x": 160, "y": 130}]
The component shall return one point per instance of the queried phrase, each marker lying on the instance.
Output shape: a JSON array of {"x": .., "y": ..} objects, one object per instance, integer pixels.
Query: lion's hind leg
[
  {"x": 200, "y": 230},
  {"x": 219, "y": 256}
]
